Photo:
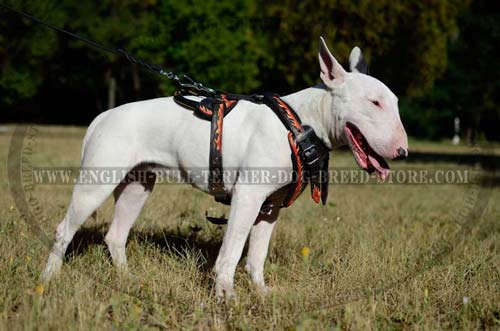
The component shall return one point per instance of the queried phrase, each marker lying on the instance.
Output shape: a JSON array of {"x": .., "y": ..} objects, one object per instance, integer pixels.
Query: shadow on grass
[
  {"x": 86, "y": 237},
  {"x": 487, "y": 162},
  {"x": 169, "y": 241},
  {"x": 177, "y": 244}
]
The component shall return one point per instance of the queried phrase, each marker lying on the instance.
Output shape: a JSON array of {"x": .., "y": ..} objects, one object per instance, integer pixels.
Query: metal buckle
[
  {"x": 305, "y": 134},
  {"x": 311, "y": 154},
  {"x": 309, "y": 150}
]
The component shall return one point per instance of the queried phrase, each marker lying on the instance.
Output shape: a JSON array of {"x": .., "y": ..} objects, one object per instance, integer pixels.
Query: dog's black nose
[{"x": 401, "y": 154}]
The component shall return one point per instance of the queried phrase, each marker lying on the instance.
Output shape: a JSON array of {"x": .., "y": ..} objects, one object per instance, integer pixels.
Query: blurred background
[{"x": 440, "y": 57}]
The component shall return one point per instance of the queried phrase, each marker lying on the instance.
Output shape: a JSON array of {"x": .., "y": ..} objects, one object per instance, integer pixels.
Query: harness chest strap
[{"x": 310, "y": 155}]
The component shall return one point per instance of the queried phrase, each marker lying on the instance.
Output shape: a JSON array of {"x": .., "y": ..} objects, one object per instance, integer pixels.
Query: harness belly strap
[{"x": 216, "y": 178}]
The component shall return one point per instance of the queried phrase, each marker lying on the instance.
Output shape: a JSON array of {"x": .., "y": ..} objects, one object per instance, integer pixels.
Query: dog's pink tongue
[{"x": 382, "y": 171}]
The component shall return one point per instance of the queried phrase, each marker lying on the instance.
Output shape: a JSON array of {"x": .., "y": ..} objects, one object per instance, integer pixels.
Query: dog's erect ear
[
  {"x": 331, "y": 71},
  {"x": 357, "y": 62}
]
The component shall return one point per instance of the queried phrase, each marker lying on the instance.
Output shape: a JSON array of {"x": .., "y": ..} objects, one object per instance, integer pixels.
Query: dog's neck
[{"x": 313, "y": 105}]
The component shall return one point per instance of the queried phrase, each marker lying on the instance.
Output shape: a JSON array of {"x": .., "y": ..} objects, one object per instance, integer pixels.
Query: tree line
[{"x": 437, "y": 55}]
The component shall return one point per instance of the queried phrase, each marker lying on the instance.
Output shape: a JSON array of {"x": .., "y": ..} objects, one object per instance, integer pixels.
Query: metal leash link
[{"x": 188, "y": 83}]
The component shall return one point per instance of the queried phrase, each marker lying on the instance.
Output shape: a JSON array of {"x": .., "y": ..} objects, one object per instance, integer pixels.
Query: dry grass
[{"x": 380, "y": 257}]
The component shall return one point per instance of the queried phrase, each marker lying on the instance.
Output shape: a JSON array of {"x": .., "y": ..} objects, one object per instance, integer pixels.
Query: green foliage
[
  {"x": 469, "y": 89},
  {"x": 435, "y": 55},
  {"x": 212, "y": 42},
  {"x": 405, "y": 41},
  {"x": 24, "y": 46}
]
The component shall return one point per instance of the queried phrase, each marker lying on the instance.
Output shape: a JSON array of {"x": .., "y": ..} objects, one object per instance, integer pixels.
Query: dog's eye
[{"x": 376, "y": 103}]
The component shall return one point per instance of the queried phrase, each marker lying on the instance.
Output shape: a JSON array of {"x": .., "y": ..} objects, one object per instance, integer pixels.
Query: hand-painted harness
[{"x": 309, "y": 154}]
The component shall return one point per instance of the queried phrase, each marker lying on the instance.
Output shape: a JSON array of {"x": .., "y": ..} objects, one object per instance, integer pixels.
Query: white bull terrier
[{"x": 348, "y": 108}]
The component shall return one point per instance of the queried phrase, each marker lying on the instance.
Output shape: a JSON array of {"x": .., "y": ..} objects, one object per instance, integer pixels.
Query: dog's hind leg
[
  {"x": 85, "y": 200},
  {"x": 99, "y": 158},
  {"x": 130, "y": 197}
]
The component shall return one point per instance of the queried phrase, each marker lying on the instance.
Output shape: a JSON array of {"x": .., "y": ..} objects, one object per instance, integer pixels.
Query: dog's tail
[{"x": 90, "y": 131}]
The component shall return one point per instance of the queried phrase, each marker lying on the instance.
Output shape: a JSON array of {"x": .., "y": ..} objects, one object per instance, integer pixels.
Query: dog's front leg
[
  {"x": 245, "y": 205},
  {"x": 258, "y": 247}
]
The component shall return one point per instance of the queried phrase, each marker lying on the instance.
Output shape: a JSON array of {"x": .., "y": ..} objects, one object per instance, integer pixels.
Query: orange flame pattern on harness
[
  {"x": 298, "y": 186},
  {"x": 316, "y": 194},
  {"x": 228, "y": 103},
  {"x": 205, "y": 110},
  {"x": 289, "y": 113},
  {"x": 218, "y": 139}
]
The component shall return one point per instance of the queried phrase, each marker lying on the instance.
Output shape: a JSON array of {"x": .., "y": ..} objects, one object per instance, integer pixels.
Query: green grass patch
[{"x": 378, "y": 257}]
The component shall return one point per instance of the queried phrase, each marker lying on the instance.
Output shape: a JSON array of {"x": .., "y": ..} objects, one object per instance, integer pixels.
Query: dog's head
[{"x": 365, "y": 112}]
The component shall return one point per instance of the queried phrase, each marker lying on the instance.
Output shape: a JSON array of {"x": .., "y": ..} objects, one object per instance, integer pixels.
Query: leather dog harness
[{"x": 309, "y": 154}]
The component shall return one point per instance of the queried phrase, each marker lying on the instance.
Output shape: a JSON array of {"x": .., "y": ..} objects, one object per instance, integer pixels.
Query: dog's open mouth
[{"x": 365, "y": 156}]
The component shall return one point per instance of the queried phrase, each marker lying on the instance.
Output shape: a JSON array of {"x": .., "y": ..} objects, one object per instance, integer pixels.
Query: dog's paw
[
  {"x": 264, "y": 290},
  {"x": 125, "y": 275},
  {"x": 225, "y": 291},
  {"x": 52, "y": 268}
]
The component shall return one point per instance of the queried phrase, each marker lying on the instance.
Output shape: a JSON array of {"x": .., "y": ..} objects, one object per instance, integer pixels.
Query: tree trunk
[
  {"x": 111, "y": 89},
  {"x": 136, "y": 80}
]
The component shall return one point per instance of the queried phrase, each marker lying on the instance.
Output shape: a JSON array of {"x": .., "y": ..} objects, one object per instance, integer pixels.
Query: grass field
[{"x": 392, "y": 257}]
